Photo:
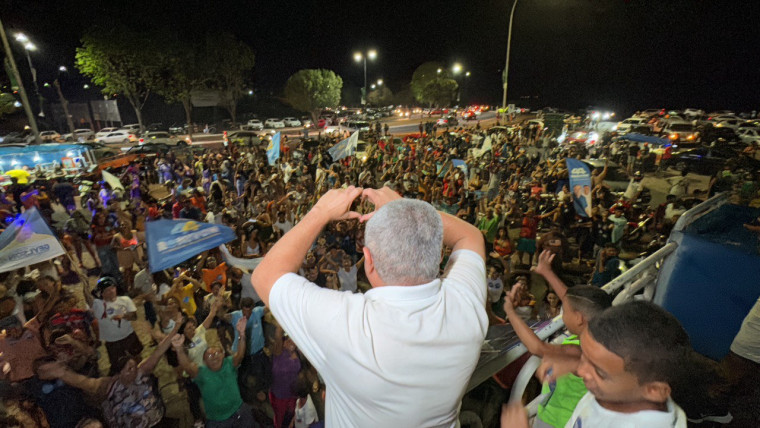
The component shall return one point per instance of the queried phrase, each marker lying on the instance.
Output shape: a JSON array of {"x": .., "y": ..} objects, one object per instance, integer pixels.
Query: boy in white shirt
[{"x": 631, "y": 355}]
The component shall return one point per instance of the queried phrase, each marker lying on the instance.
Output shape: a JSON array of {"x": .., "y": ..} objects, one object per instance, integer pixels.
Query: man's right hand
[
  {"x": 336, "y": 204},
  {"x": 378, "y": 197}
]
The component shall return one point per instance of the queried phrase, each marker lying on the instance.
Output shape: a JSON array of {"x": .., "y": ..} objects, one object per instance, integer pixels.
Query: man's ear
[
  {"x": 657, "y": 392},
  {"x": 369, "y": 263}
]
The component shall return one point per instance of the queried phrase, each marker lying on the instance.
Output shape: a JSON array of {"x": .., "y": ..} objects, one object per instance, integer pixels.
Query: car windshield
[
  {"x": 158, "y": 135},
  {"x": 681, "y": 127}
]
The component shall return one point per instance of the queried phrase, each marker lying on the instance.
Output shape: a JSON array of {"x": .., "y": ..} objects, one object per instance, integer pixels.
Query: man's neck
[{"x": 633, "y": 407}]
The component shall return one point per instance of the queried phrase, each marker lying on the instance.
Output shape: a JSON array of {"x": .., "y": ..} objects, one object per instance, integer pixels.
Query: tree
[
  {"x": 381, "y": 96},
  {"x": 7, "y": 104},
  {"x": 312, "y": 90},
  {"x": 431, "y": 86},
  {"x": 229, "y": 62},
  {"x": 184, "y": 72},
  {"x": 439, "y": 92},
  {"x": 122, "y": 61}
]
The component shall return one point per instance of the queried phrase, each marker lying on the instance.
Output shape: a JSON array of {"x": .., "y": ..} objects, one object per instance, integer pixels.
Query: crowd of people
[{"x": 86, "y": 333}]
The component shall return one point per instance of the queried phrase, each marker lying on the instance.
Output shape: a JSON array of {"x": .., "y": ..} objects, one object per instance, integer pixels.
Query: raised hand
[
  {"x": 53, "y": 370},
  {"x": 512, "y": 299},
  {"x": 544, "y": 262},
  {"x": 336, "y": 203},
  {"x": 378, "y": 197},
  {"x": 240, "y": 326},
  {"x": 178, "y": 340}
]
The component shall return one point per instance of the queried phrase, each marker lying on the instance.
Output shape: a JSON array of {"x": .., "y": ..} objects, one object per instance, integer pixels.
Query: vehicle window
[{"x": 680, "y": 127}]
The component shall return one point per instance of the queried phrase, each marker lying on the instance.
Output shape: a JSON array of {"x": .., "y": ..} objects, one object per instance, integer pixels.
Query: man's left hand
[{"x": 336, "y": 204}]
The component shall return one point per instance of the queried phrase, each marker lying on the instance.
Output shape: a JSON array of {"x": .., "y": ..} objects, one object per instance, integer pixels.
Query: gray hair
[{"x": 405, "y": 238}]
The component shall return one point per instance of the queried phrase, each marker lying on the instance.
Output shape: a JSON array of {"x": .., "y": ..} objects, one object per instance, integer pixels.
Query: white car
[
  {"x": 255, "y": 125},
  {"x": 120, "y": 136},
  {"x": 83, "y": 133},
  {"x": 162, "y": 137},
  {"x": 105, "y": 131},
  {"x": 749, "y": 135},
  {"x": 626, "y": 125},
  {"x": 274, "y": 123},
  {"x": 693, "y": 112},
  {"x": 291, "y": 121},
  {"x": 132, "y": 127},
  {"x": 49, "y": 135},
  {"x": 729, "y": 123}
]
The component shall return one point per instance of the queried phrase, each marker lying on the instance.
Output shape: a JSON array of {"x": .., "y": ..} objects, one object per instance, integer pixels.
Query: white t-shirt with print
[
  {"x": 113, "y": 330},
  {"x": 589, "y": 414}
]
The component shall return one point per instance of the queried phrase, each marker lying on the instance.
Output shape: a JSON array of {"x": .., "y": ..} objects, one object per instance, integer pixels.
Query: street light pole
[
  {"x": 364, "y": 95},
  {"x": 363, "y": 56},
  {"x": 21, "y": 90},
  {"x": 506, "y": 66}
]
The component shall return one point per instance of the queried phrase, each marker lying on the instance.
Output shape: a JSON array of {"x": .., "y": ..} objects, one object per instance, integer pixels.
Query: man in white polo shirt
[{"x": 402, "y": 353}]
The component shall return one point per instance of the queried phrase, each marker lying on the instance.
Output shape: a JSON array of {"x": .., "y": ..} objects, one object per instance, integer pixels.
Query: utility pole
[
  {"x": 21, "y": 90},
  {"x": 506, "y": 66},
  {"x": 65, "y": 105}
]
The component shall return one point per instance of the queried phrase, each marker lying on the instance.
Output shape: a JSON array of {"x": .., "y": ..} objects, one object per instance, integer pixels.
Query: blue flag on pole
[
  {"x": 580, "y": 184},
  {"x": 345, "y": 148},
  {"x": 28, "y": 240},
  {"x": 171, "y": 242},
  {"x": 273, "y": 149}
]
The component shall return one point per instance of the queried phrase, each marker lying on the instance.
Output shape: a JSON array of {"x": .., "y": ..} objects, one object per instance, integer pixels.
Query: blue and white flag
[
  {"x": 28, "y": 240},
  {"x": 273, "y": 149},
  {"x": 171, "y": 242},
  {"x": 345, "y": 148},
  {"x": 580, "y": 185}
]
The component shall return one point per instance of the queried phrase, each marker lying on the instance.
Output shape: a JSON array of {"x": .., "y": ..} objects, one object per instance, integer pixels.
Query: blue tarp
[
  {"x": 711, "y": 281},
  {"x": 640, "y": 138},
  {"x": 18, "y": 156},
  {"x": 171, "y": 242}
]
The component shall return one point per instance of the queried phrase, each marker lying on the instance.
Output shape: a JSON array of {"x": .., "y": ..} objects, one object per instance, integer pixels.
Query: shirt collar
[{"x": 404, "y": 292}]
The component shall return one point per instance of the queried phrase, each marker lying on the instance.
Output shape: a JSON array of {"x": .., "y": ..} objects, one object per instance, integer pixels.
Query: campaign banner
[
  {"x": 171, "y": 242},
  {"x": 580, "y": 186},
  {"x": 28, "y": 240}
]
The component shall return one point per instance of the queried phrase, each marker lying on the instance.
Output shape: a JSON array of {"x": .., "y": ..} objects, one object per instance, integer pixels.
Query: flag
[
  {"x": 28, "y": 240},
  {"x": 345, "y": 148},
  {"x": 462, "y": 165},
  {"x": 112, "y": 181},
  {"x": 580, "y": 185},
  {"x": 273, "y": 149},
  {"x": 171, "y": 242}
]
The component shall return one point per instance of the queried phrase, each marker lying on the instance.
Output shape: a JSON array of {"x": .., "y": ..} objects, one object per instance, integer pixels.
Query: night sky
[{"x": 618, "y": 54}]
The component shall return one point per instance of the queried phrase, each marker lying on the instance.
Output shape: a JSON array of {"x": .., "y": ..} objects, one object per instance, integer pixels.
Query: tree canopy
[
  {"x": 311, "y": 90},
  {"x": 122, "y": 61},
  {"x": 429, "y": 86},
  {"x": 381, "y": 96}
]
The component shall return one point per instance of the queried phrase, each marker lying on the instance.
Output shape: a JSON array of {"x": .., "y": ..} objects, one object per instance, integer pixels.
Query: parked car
[
  {"x": 163, "y": 138},
  {"x": 100, "y": 151},
  {"x": 291, "y": 121},
  {"x": 626, "y": 125},
  {"x": 244, "y": 138},
  {"x": 683, "y": 133},
  {"x": 132, "y": 127},
  {"x": 728, "y": 123},
  {"x": 150, "y": 149},
  {"x": 49, "y": 135},
  {"x": 617, "y": 179},
  {"x": 306, "y": 122},
  {"x": 120, "y": 136},
  {"x": 709, "y": 160},
  {"x": 693, "y": 112},
  {"x": 84, "y": 133},
  {"x": 105, "y": 131},
  {"x": 749, "y": 135},
  {"x": 274, "y": 123},
  {"x": 255, "y": 124},
  {"x": 712, "y": 135}
]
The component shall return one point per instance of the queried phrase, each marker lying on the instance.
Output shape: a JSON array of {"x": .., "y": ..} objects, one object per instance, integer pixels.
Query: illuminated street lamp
[
  {"x": 63, "y": 69},
  {"x": 362, "y": 57},
  {"x": 373, "y": 86},
  {"x": 439, "y": 70},
  {"x": 457, "y": 68},
  {"x": 379, "y": 82},
  {"x": 29, "y": 47}
]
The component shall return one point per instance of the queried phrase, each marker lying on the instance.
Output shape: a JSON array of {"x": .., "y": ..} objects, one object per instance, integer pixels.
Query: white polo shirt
[{"x": 394, "y": 356}]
